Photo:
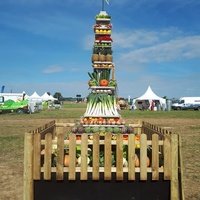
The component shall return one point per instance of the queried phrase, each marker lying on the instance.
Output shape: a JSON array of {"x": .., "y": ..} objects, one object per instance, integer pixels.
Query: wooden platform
[{"x": 45, "y": 178}]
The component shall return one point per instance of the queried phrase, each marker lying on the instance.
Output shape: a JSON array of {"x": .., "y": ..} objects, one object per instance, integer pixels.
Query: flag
[
  {"x": 107, "y": 1},
  {"x": 2, "y": 89}
]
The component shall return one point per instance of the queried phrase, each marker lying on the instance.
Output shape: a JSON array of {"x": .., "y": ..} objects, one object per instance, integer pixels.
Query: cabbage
[
  {"x": 87, "y": 129},
  {"x": 116, "y": 130},
  {"x": 95, "y": 129},
  {"x": 109, "y": 129}
]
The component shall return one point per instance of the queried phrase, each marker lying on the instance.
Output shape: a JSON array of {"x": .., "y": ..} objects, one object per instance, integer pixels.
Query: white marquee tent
[
  {"x": 35, "y": 97},
  {"x": 145, "y": 101},
  {"x": 46, "y": 97}
]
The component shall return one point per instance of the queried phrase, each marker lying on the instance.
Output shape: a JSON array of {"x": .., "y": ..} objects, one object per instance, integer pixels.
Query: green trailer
[{"x": 14, "y": 106}]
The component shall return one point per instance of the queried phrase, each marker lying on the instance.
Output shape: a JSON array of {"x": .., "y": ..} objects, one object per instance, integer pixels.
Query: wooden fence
[{"x": 158, "y": 153}]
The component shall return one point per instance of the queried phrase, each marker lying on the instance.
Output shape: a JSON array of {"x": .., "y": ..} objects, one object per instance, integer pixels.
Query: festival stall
[{"x": 150, "y": 100}]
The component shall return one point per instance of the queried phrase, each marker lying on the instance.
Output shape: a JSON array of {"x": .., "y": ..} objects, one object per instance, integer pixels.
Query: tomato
[{"x": 104, "y": 82}]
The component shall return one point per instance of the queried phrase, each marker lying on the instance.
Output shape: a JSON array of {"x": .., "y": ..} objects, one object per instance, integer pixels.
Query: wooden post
[
  {"x": 47, "y": 156},
  {"x": 107, "y": 157},
  {"x": 181, "y": 168},
  {"x": 84, "y": 156},
  {"x": 60, "y": 156},
  {"x": 131, "y": 157},
  {"x": 119, "y": 157},
  {"x": 167, "y": 157},
  {"x": 174, "y": 166},
  {"x": 95, "y": 171},
  {"x": 113, "y": 72},
  {"x": 143, "y": 157},
  {"x": 155, "y": 157},
  {"x": 28, "y": 167},
  {"x": 72, "y": 156},
  {"x": 37, "y": 156}
]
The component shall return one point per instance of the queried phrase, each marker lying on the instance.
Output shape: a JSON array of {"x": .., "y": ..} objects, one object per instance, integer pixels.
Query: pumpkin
[
  {"x": 66, "y": 161},
  {"x": 104, "y": 82},
  {"x": 137, "y": 161}
]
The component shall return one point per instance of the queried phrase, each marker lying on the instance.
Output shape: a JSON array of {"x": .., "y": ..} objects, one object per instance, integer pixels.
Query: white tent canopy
[
  {"x": 45, "y": 97},
  {"x": 145, "y": 101},
  {"x": 52, "y": 98},
  {"x": 35, "y": 96}
]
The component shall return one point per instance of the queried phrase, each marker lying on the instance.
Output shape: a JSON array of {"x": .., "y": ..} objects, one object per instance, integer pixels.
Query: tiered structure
[
  {"x": 102, "y": 99},
  {"x": 101, "y": 113}
]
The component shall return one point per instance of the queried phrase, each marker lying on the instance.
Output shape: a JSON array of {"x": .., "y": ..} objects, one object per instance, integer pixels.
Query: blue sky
[{"x": 46, "y": 46}]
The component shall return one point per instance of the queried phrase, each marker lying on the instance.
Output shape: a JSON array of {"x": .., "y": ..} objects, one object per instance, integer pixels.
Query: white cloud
[
  {"x": 173, "y": 50},
  {"x": 53, "y": 69},
  {"x": 131, "y": 39},
  {"x": 137, "y": 38}
]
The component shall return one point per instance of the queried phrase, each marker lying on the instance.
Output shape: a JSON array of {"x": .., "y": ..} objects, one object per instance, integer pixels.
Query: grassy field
[{"x": 13, "y": 126}]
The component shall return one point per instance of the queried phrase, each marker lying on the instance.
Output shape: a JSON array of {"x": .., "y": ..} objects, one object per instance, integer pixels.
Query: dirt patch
[{"x": 11, "y": 181}]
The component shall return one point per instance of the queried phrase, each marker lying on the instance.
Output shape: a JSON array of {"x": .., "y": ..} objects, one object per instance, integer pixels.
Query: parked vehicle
[
  {"x": 196, "y": 107},
  {"x": 187, "y": 103},
  {"x": 12, "y": 106},
  {"x": 54, "y": 105},
  {"x": 123, "y": 103}
]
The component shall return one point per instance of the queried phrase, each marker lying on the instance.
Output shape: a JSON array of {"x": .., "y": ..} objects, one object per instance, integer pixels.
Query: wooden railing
[{"x": 157, "y": 156}]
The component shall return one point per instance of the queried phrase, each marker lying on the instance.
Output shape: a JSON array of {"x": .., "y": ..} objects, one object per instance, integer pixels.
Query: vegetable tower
[
  {"x": 101, "y": 114},
  {"x": 101, "y": 104},
  {"x": 102, "y": 85}
]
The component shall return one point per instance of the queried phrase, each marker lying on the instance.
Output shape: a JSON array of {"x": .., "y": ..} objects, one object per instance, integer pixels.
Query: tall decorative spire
[
  {"x": 103, "y": 4},
  {"x": 101, "y": 113}
]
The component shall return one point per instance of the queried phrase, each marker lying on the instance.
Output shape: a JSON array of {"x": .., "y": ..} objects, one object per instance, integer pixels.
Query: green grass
[
  {"x": 74, "y": 105},
  {"x": 160, "y": 114},
  {"x": 11, "y": 147},
  {"x": 13, "y": 126},
  {"x": 76, "y": 110}
]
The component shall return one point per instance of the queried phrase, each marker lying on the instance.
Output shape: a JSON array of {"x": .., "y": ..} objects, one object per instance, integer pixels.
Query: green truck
[{"x": 14, "y": 106}]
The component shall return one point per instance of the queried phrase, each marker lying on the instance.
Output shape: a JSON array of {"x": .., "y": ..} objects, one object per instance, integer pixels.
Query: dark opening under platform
[{"x": 102, "y": 190}]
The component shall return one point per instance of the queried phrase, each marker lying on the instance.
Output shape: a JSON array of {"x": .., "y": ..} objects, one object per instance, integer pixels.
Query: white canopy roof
[
  {"x": 35, "y": 96},
  {"x": 46, "y": 97},
  {"x": 151, "y": 96}
]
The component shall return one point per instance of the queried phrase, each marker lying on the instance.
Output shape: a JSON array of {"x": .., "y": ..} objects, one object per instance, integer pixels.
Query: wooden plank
[
  {"x": 155, "y": 157},
  {"x": 181, "y": 168},
  {"x": 101, "y": 169},
  {"x": 107, "y": 157},
  {"x": 95, "y": 157},
  {"x": 72, "y": 157},
  {"x": 139, "y": 130},
  {"x": 119, "y": 157},
  {"x": 131, "y": 157},
  {"x": 62, "y": 124},
  {"x": 47, "y": 156},
  {"x": 28, "y": 193},
  {"x": 143, "y": 157},
  {"x": 174, "y": 165},
  {"x": 84, "y": 156},
  {"x": 167, "y": 157},
  {"x": 37, "y": 157},
  {"x": 60, "y": 153}
]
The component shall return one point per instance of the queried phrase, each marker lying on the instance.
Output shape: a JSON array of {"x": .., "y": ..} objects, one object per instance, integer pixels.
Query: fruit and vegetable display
[{"x": 101, "y": 115}]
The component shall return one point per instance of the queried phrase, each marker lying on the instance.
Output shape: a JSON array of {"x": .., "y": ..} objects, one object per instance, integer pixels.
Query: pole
[{"x": 103, "y": 3}]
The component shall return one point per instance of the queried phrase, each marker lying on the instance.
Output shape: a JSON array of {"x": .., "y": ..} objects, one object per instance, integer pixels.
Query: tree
[{"x": 58, "y": 95}]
